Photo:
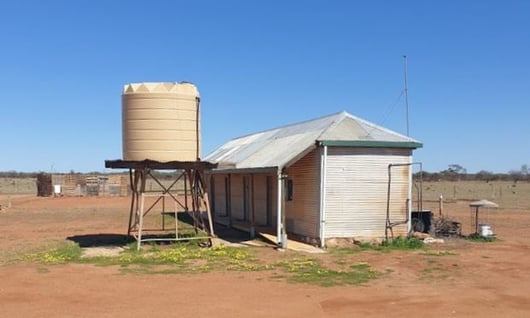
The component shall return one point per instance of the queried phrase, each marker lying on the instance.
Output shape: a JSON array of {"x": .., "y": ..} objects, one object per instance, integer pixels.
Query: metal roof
[{"x": 281, "y": 147}]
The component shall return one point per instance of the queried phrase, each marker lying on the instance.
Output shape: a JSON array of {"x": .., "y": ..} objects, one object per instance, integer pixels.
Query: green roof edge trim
[{"x": 371, "y": 144}]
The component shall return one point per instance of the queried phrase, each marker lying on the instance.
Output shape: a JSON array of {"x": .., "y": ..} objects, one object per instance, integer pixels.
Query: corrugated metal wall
[
  {"x": 260, "y": 199},
  {"x": 237, "y": 199},
  {"x": 272, "y": 183},
  {"x": 219, "y": 190},
  {"x": 356, "y": 191},
  {"x": 302, "y": 213}
]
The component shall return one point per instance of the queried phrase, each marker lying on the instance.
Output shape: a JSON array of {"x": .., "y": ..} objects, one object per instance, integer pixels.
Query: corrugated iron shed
[{"x": 280, "y": 147}]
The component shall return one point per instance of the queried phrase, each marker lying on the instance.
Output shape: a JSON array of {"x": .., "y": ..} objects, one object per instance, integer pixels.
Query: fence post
[{"x": 441, "y": 205}]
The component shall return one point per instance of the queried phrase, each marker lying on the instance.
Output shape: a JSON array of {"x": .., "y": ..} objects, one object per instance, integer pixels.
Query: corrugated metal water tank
[{"x": 160, "y": 121}]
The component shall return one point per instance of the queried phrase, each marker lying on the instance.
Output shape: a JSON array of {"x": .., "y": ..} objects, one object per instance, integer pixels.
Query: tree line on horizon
[{"x": 454, "y": 172}]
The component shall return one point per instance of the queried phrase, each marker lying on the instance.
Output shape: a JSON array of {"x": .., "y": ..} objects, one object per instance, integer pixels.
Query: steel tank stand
[{"x": 194, "y": 200}]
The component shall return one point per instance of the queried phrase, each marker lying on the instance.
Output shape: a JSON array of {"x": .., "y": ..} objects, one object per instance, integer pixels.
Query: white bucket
[
  {"x": 57, "y": 189},
  {"x": 485, "y": 230}
]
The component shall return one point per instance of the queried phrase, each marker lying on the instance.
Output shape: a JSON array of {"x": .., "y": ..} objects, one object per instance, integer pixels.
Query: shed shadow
[{"x": 101, "y": 240}]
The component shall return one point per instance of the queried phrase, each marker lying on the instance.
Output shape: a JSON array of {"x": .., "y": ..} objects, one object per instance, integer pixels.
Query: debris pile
[
  {"x": 442, "y": 226},
  {"x": 446, "y": 227}
]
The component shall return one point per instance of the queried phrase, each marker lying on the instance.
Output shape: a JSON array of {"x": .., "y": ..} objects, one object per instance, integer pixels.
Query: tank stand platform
[{"x": 193, "y": 200}]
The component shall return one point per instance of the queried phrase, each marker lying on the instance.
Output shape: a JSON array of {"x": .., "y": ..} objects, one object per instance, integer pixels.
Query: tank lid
[{"x": 161, "y": 87}]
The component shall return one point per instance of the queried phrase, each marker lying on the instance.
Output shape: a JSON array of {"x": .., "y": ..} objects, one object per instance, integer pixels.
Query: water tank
[{"x": 160, "y": 121}]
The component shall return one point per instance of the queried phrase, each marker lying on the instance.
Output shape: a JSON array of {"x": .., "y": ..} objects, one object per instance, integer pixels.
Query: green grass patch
[
  {"x": 184, "y": 256},
  {"x": 403, "y": 243},
  {"x": 399, "y": 243},
  {"x": 188, "y": 257},
  {"x": 64, "y": 253},
  {"x": 481, "y": 239},
  {"x": 310, "y": 271}
]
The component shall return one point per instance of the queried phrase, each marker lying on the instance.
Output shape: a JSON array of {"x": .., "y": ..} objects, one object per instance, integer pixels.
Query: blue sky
[{"x": 262, "y": 64}]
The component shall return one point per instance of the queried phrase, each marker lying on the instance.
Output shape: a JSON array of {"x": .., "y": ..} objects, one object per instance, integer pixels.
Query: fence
[
  {"x": 82, "y": 185},
  {"x": 75, "y": 184}
]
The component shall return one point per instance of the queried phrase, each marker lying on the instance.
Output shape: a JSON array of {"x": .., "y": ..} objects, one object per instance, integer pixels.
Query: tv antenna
[{"x": 406, "y": 91}]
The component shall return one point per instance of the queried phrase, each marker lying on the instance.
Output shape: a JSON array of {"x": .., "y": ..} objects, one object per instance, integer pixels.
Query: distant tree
[
  {"x": 456, "y": 168},
  {"x": 424, "y": 175},
  {"x": 454, "y": 172},
  {"x": 484, "y": 175},
  {"x": 525, "y": 171},
  {"x": 503, "y": 176},
  {"x": 15, "y": 174},
  {"x": 516, "y": 175},
  {"x": 521, "y": 174},
  {"x": 458, "y": 173},
  {"x": 427, "y": 176}
]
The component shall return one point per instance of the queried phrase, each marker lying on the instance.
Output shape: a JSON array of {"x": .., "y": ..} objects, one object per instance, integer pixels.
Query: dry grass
[
  {"x": 18, "y": 186},
  {"x": 509, "y": 195},
  {"x": 29, "y": 185}
]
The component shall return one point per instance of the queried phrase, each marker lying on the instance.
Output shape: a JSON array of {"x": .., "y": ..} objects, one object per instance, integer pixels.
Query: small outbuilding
[{"x": 337, "y": 176}]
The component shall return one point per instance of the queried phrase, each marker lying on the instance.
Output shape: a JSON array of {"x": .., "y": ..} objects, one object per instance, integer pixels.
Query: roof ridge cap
[
  {"x": 341, "y": 116},
  {"x": 288, "y": 125}
]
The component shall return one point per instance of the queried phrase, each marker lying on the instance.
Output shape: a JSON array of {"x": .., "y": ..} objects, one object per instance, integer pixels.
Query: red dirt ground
[{"x": 477, "y": 280}]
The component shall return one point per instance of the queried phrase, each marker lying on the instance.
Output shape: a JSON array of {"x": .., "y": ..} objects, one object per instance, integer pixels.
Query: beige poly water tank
[{"x": 160, "y": 122}]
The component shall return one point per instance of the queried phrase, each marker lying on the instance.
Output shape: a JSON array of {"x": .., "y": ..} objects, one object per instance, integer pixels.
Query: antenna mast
[{"x": 406, "y": 91}]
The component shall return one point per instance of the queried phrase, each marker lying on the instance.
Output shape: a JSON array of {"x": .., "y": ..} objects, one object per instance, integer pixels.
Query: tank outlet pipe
[{"x": 390, "y": 225}]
